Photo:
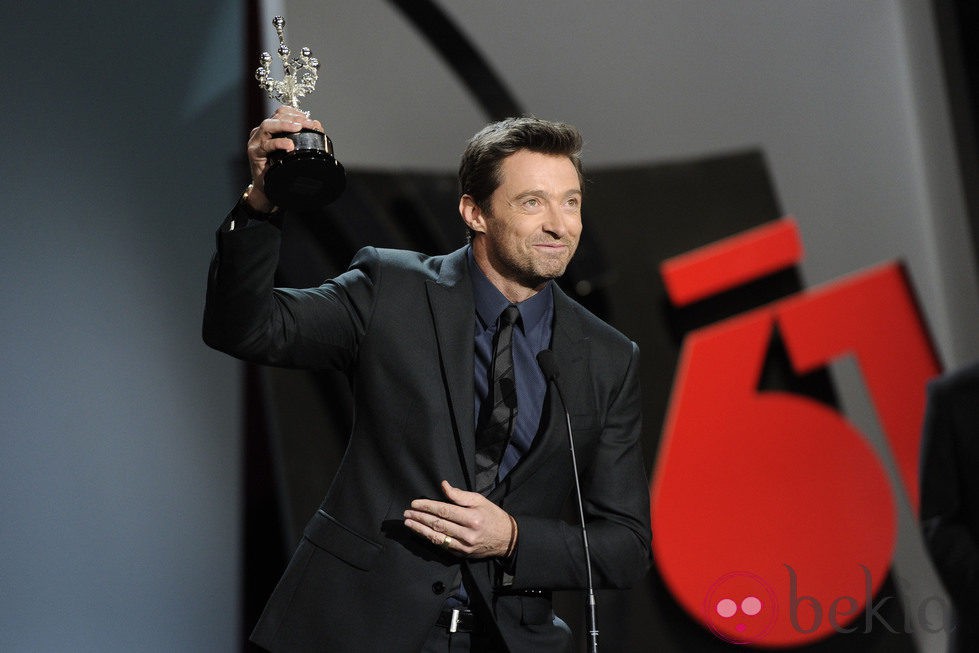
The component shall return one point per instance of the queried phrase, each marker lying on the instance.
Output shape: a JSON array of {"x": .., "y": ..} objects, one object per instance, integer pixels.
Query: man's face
[{"x": 533, "y": 224}]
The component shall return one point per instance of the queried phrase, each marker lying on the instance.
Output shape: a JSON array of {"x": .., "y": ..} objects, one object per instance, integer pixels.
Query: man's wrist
[
  {"x": 257, "y": 202},
  {"x": 506, "y": 564},
  {"x": 512, "y": 545},
  {"x": 245, "y": 215}
]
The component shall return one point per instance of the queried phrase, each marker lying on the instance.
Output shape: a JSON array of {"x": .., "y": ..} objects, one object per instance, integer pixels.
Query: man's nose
[{"x": 555, "y": 221}]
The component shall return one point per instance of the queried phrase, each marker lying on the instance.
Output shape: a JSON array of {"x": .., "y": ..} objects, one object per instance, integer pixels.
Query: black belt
[{"x": 457, "y": 620}]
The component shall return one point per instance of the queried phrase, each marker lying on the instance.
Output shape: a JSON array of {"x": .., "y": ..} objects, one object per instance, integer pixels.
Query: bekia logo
[{"x": 742, "y": 608}]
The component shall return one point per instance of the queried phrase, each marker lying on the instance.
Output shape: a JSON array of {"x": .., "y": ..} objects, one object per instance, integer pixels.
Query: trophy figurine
[{"x": 309, "y": 177}]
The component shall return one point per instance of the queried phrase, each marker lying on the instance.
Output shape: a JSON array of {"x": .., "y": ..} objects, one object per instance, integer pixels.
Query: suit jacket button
[{"x": 438, "y": 587}]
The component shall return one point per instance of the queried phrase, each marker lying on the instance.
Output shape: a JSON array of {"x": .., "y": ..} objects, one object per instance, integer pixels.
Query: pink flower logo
[{"x": 741, "y": 608}]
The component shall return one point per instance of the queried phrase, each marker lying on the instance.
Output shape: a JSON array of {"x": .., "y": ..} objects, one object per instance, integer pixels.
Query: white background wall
[{"x": 119, "y": 474}]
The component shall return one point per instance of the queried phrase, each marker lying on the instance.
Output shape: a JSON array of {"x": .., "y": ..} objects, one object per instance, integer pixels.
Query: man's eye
[{"x": 532, "y": 203}]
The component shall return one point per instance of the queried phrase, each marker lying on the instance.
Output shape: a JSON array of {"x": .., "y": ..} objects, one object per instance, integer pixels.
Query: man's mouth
[{"x": 551, "y": 247}]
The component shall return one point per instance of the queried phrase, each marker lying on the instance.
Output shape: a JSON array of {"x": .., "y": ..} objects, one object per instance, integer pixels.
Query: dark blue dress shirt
[{"x": 531, "y": 334}]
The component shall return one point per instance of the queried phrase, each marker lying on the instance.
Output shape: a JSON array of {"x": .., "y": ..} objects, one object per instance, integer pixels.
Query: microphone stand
[
  {"x": 548, "y": 365},
  {"x": 592, "y": 623}
]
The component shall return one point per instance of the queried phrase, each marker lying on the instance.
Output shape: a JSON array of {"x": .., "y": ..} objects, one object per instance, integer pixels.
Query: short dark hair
[{"x": 479, "y": 170}]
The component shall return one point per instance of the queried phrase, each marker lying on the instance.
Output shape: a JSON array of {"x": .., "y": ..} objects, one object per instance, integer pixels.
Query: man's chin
[{"x": 544, "y": 273}]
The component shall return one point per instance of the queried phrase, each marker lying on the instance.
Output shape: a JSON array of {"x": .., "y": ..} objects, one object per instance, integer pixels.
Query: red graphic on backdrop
[{"x": 754, "y": 482}]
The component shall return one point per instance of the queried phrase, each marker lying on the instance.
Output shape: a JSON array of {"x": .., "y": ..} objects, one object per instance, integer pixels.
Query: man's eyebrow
[
  {"x": 537, "y": 192},
  {"x": 534, "y": 192}
]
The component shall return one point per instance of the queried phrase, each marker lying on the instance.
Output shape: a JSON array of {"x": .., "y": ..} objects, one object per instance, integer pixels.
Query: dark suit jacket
[
  {"x": 401, "y": 324},
  {"x": 950, "y": 494}
]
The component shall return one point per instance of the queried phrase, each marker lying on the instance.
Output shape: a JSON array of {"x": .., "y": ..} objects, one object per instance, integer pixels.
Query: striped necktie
[{"x": 493, "y": 435}]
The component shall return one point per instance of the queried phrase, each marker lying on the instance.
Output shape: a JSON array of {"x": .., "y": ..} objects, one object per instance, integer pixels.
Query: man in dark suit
[
  {"x": 442, "y": 529},
  {"x": 950, "y": 495}
]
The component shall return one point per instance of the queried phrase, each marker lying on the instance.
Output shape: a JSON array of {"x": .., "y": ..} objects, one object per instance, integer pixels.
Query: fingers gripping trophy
[{"x": 309, "y": 177}]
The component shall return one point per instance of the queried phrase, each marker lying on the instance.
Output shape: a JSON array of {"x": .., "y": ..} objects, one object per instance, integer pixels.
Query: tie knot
[{"x": 510, "y": 315}]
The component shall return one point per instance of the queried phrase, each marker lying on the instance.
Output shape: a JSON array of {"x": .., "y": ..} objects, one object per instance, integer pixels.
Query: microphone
[{"x": 548, "y": 365}]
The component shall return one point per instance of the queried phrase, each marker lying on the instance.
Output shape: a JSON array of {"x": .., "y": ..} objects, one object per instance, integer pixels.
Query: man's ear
[{"x": 471, "y": 214}]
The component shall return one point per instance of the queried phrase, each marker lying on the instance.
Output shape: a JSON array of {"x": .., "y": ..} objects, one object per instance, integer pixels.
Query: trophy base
[{"x": 309, "y": 177}]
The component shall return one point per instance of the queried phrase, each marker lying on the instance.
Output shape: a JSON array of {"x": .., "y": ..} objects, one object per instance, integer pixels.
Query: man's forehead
[{"x": 526, "y": 170}]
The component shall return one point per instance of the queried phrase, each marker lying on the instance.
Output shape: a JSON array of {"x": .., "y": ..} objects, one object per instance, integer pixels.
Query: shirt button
[{"x": 438, "y": 587}]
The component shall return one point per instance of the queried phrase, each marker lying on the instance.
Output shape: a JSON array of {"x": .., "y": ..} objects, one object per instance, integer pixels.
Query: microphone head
[{"x": 548, "y": 364}]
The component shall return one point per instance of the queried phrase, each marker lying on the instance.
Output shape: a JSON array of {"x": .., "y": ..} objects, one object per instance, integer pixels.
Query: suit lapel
[
  {"x": 570, "y": 348},
  {"x": 453, "y": 309}
]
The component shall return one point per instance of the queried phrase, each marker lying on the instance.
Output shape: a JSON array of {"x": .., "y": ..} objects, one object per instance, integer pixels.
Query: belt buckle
[{"x": 454, "y": 621}]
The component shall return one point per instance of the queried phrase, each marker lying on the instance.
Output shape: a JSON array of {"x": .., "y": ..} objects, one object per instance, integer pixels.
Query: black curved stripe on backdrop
[
  {"x": 496, "y": 100},
  {"x": 461, "y": 56}
]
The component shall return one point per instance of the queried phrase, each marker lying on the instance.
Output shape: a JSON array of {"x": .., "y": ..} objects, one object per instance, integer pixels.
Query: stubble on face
[{"x": 533, "y": 224}]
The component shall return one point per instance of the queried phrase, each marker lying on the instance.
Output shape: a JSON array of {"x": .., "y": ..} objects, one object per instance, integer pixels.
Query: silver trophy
[{"x": 309, "y": 177}]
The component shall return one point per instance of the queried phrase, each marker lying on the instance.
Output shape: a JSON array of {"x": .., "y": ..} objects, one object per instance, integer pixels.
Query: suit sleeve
[
  {"x": 949, "y": 539},
  {"x": 615, "y": 495},
  {"x": 245, "y": 316}
]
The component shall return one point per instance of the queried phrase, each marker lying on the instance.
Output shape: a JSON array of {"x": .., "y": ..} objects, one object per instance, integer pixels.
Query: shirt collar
[{"x": 490, "y": 302}]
